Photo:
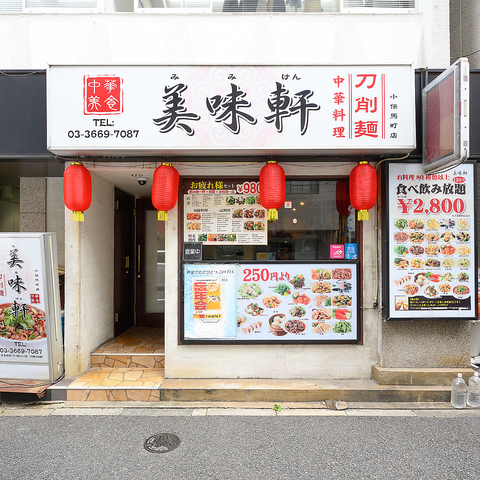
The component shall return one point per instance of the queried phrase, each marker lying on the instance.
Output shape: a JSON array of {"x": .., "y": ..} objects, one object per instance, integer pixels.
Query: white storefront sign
[
  {"x": 31, "y": 346},
  {"x": 170, "y": 110}
]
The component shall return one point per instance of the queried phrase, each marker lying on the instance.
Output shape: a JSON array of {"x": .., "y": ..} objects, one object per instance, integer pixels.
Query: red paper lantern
[
  {"x": 363, "y": 189},
  {"x": 342, "y": 197},
  {"x": 77, "y": 190},
  {"x": 272, "y": 188},
  {"x": 165, "y": 189}
]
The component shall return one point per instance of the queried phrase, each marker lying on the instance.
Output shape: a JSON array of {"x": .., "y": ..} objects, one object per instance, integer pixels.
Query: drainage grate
[{"x": 161, "y": 443}]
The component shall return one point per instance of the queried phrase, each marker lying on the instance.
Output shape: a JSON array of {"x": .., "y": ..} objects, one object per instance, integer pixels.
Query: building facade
[{"x": 342, "y": 34}]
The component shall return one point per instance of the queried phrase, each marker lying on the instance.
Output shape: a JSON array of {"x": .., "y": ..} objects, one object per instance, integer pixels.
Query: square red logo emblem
[{"x": 102, "y": 95}]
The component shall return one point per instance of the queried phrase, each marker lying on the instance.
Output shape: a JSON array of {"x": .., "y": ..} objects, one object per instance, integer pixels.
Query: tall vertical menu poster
[
  {"x": 431, "y": 243},
  {"x": 223, "y": 212}
]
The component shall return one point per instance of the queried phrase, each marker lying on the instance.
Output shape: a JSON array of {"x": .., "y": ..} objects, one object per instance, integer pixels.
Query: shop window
[{"x": 305, "y": 230}]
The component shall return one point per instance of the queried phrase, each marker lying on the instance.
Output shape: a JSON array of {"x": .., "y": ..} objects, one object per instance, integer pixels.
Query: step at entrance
[{"x": 130, "y": 367}]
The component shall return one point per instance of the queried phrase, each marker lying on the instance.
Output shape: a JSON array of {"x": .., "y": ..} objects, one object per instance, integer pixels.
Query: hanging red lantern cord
[
  {"x": 165, "y": 189},
  {"x": 272, "y": 188},
  {"x": 77, "y": 190},
  {"x": 363, "y": 189}
]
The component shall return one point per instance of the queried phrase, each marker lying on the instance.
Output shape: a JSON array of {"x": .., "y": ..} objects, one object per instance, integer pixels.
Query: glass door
[{"x": 150, "y": 266}]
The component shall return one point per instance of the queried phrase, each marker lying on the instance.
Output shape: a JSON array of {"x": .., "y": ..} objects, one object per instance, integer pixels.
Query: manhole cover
[{"x": 161, "y": 443}]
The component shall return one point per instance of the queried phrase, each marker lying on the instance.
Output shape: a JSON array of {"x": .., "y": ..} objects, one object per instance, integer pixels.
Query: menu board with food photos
[
  {"x": 281, "y": 302},
  {"x": 431, "y": 243},
  {"x": 224, "y": 212}
]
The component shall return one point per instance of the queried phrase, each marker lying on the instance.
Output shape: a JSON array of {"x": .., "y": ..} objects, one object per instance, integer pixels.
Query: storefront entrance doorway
[{"x": 139, "y": 296}]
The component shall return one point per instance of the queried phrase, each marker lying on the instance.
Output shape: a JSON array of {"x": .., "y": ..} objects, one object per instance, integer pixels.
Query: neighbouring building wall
[
  {"x": 89, "y": 278},
  {"x": 33, "y": 204},
  {"x": 56, "y": 215},
  {"x": 465, "y": 34},
  {"x": 230, "y": 39},
  {"x": 10, "y": 208}
]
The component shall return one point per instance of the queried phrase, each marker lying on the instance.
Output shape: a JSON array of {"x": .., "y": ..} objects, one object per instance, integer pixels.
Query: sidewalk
[{"x": 196, "y": 409}]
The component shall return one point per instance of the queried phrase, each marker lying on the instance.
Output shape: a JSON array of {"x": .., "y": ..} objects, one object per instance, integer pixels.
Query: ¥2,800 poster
[{"x": 431, "y": 244}]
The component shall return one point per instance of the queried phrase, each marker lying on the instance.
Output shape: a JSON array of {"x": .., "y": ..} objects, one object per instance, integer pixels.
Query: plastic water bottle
[
  {"x": 459, "y": 392},
  {"x": 473, "y": 396}
]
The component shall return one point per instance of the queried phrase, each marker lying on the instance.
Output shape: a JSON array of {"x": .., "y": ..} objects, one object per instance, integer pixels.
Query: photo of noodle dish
[
  {"x": 463, "y": 250},
  {"x": 463, "y": 223},
  {"x": 432, "y": 223},
  {"x": 461, "y": 290},
  {"x": 27, "y": 324},
  {"x": 410, "y": 289}
]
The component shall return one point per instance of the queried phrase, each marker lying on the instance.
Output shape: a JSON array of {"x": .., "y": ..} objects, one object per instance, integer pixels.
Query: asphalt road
[{"x": 233, "y": 447}]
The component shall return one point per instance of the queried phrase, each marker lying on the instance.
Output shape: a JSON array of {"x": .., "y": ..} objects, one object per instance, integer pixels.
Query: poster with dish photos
[
  {"x": 31, "y": 346},
  {"x": 431, "y": 245},
  {"x": 297, "y": 302},
  {"x": 224, "y": 212}
]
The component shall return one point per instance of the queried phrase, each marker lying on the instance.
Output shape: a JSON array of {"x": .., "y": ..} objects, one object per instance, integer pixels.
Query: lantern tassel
[
  {"x": 362, "y": 215},
  {"x": 162, "y": 216},
  {"x": 272, "y": 214},
  {"x": 78, "y": 217}
]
